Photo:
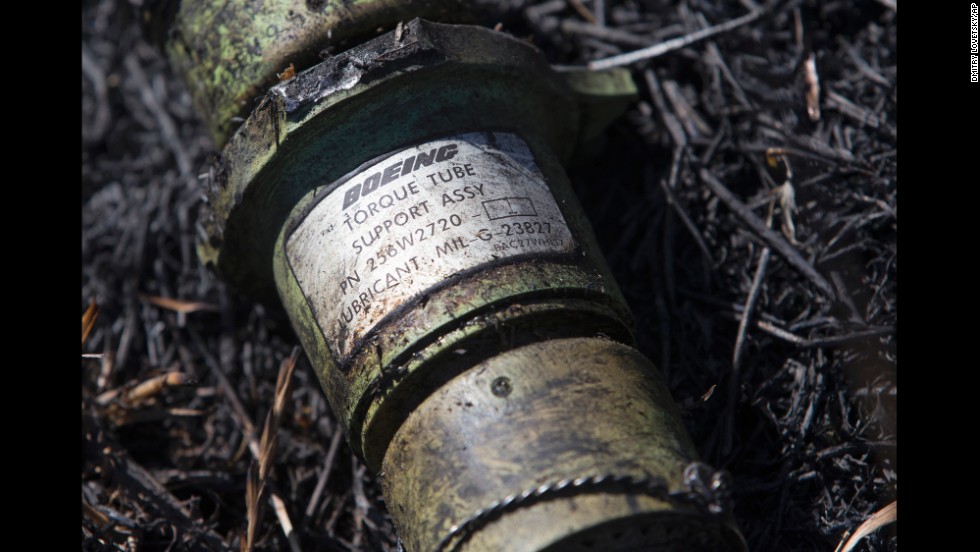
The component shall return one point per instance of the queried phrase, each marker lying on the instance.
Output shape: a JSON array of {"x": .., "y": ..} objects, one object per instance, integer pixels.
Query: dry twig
[
  {"x": 777, "y": 242},
  {"x": 831, "y": 341},
  {"x": 88, "y": 320},
  {"x": 667, "y": 46},
  {"x": 324, "y": 476},
  {"x": 140, "y": 392},
  {"x": 608, "y": 34},
  {"x": 265, "y": 455},
  {"x": 579, "y": 7},
  {"x": 179, "y": 305},
  {"x": 812, "y": 87},
  {"x": 878, "y": 519}
]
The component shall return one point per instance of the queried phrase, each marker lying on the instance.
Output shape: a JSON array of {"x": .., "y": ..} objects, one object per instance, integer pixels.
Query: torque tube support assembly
[{"x": 405, "y": 201}]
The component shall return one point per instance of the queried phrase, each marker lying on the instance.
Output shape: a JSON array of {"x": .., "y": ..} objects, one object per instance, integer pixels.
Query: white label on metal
[{"x": 421, "y": 215}]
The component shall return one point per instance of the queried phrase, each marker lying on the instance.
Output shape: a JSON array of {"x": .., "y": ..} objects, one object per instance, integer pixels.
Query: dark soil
[{"x": 798, "y": 403}]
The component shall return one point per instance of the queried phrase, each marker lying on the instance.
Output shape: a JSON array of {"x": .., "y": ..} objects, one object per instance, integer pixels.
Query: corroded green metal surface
[
  {"x": 230, "y": 52},
  {"x": 545, "y": 413}
]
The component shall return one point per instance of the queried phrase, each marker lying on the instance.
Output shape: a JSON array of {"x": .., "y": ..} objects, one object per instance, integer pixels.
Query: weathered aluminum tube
[
  {"x": 565, "y": 444},
  {"x": 407, "y": 203}
]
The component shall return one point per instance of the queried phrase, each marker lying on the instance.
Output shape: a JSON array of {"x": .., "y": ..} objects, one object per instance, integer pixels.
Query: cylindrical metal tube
[
  {"x": 406, "y": 202},
  {"x": 229, "y": 53},
  {"x": 584, "y": 445}
]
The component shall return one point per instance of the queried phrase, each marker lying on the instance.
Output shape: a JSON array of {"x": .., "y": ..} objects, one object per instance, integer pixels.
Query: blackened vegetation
[{"x": 774, "y": 325}]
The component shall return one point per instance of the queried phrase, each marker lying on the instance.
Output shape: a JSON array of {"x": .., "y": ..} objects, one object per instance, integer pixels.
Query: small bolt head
[{"x": 501, "y": 387}]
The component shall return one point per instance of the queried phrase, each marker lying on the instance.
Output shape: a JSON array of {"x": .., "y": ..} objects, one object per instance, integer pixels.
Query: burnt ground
[{"x": 774, "y": 326}]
